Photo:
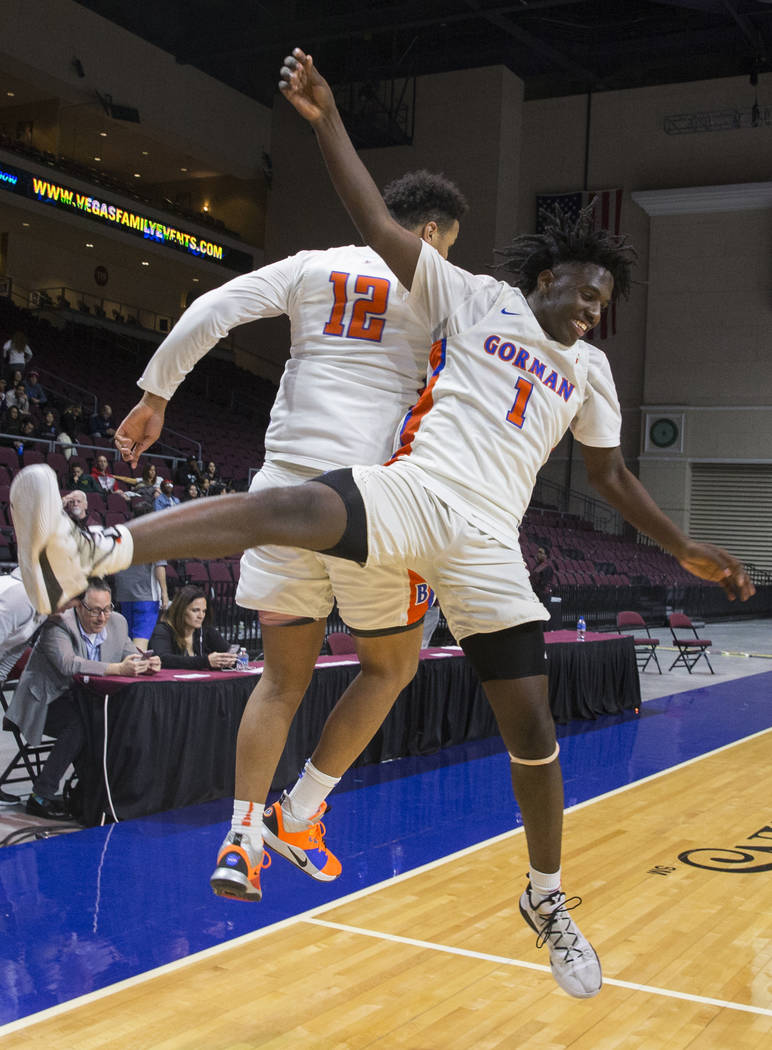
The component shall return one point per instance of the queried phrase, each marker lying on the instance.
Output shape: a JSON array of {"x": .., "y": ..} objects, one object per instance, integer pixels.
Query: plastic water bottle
[
  {"x": 242, "y": 659},
  {"x": 581, "y": 627}
]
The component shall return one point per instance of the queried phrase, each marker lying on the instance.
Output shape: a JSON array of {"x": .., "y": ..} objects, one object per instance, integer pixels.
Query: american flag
[{"x": 606, "y": 213}]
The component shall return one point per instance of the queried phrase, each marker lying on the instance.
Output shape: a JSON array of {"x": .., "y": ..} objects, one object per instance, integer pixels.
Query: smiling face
[{"x": 569, "y": 299}]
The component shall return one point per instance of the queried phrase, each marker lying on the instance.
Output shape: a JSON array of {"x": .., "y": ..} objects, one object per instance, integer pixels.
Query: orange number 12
[{"x": 364, "y": 322}]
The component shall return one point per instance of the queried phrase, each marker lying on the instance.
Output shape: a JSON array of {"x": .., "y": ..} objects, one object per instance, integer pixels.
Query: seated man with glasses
[{"x": 87, "y": 639}]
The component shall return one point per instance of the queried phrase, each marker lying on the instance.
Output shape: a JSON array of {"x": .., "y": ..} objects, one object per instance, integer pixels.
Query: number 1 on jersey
[
  {"x": 516, "y": 414},
  {"x": 364, "y": 322}
]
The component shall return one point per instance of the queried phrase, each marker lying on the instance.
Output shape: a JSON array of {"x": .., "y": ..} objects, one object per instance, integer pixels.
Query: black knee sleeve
[{"x": 515, "y": 652}]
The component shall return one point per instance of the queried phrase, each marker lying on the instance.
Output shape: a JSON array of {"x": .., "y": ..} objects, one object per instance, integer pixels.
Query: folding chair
[
  {"x": 340, "y": 642},
  {"x": 29, "y": 759},
  {"x": 690, "y": 650},
  {"x": 645, "y": 648}
]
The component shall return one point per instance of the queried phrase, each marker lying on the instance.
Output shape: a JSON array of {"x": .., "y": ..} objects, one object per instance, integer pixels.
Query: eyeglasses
[{"x": 98, "y": 612}]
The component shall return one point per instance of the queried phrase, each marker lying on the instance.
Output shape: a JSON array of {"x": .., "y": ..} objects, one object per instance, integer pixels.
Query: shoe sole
[
  {"x": 295, "y": 856},
  {"x": 225, "y": 885},
  {"x": 35, "y": 506}
]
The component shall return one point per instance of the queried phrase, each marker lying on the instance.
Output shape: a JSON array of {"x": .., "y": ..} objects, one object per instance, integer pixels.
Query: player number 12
[{"x": 364, "y": 322}]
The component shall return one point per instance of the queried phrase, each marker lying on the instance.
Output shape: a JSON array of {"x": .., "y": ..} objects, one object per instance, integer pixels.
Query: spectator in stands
[
  {"x": 12, "y": 427},
  {"x": 541, "y": 576},
  {"x": 18, "y": 397},
  {"x": 35, "y": 392},
  {"x": 78, "y": 479},
  {"x": 18, "y": 623},
  {"x": 101, "y": 424},
  {"x": 204, "y": 488},
  {"x": 184, "y": 638},
  {"x": 187, "y": 472},
  {"x": 191, "y": 492},
  {"x": 100, "y": 472},
  {"x": 142, "y": 593},
  {"x": 16, "y": 352},
  {"x": 166, "y": 497},
  {"x": 147, "y": 487},
  {"x": 72, "y": 421},
  {"x": 27, "y": 433},
  {"x": 49, "y": 428},
  {"x": 216, "y": 483},
  {"x": 76, "y": 505},
  {"x": 3, "y": 385},
  {"x": 87, "y": 639}
]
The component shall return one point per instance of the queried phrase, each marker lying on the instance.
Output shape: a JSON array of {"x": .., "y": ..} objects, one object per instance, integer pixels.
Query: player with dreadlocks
[{"x": 508, "y": 374}]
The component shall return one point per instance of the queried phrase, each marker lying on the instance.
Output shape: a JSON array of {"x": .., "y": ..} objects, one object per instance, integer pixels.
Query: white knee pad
[{"x": 536, "y": 761}]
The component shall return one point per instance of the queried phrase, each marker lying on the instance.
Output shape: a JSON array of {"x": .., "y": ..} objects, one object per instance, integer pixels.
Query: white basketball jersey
[
  {"x": 358, "y": 354},
  {"x": 499, "y": 397}
]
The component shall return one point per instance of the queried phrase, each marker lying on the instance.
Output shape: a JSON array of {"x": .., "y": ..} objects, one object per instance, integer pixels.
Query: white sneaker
[
  {"x": 574, "y": 961},
  {"x": 56, "y": 557}
]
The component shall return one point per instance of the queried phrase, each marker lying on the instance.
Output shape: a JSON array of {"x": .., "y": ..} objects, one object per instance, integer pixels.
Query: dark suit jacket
[{"x": 59, "y": 654}]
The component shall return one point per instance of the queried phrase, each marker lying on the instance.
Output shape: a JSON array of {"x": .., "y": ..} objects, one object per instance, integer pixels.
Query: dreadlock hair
[
  {"x": 564, "y": 240},
  {"x": 423, "y": 196}
]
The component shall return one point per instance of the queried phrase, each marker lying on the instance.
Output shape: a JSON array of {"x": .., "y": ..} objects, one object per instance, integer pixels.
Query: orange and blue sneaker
[
  {"x": 300, "y": 841},
  {"x": 237, "y": 874}
]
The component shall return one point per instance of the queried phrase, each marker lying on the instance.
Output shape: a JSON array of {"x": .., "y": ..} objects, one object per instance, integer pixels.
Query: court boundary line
[
  {"x": 469, "y": 953},
  {"x": 311, "y": 913}
]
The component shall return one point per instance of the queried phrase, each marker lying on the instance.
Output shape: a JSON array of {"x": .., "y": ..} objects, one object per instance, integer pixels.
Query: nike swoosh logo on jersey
[
  {"x": 512, "y": 313},
  {"x": 302, "y": 861}
]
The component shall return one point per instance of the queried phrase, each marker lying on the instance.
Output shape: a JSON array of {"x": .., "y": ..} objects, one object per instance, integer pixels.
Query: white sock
[
  {"x": 311, "y": 790},
  {"x": 248, "y": 819},
  {"x": 543, "y": 883},
  {"x": 118, "y": 557}
]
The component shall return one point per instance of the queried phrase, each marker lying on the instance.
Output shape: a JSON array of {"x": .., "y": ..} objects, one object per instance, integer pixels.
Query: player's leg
[
  {"x": 481, "y": 589},
  {"x": 295, "y": 585},
  {"x": 56, "y": 558},
  {"x": 384, "y": 608},
  {"x": 388, "y": 664},
  {"x": 290, "y": 653}
]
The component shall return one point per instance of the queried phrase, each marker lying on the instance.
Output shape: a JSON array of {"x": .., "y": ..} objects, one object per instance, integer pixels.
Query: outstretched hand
[
  {"x": 304, "y": 87},
  {"x": 141, "y": 428},
  {"x": 717, "y": 565}
]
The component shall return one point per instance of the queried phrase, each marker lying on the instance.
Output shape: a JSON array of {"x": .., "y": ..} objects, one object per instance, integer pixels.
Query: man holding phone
[{"x": 87, "y": 639}]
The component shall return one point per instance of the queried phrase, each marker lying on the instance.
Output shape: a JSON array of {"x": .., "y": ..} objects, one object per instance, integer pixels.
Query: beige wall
[{"x": 191, "y": 110}]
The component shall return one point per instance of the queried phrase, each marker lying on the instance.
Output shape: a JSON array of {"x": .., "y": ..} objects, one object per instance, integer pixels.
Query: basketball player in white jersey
[
  {"x": 357, "y": 361},
  {"x": 508, "y": 374}
]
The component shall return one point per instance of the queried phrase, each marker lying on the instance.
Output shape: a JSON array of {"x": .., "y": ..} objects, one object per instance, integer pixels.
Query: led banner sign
[{"x": 64, "y": 198}]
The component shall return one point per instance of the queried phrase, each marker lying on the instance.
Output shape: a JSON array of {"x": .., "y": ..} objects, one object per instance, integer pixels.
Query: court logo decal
[{"x": 747, "y": 858}]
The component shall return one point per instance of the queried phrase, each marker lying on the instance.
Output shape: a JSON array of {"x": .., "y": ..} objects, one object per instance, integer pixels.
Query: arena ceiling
[{"x": 557, "y": 47}]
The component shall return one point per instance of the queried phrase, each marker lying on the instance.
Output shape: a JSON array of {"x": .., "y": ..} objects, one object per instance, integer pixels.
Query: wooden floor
[{"x": 440, "y": 959}]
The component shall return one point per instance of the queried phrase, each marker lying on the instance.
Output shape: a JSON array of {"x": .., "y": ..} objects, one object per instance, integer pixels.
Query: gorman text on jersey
[{"x": 520, "y": 358}]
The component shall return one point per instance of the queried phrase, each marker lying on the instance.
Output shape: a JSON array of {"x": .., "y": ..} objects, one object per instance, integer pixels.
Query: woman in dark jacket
[{"x": 184, "y": 639}]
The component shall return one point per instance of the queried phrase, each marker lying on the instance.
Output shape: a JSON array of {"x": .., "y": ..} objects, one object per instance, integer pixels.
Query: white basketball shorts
[
  {"x": 302, "y": 583},
  {"x": 481, "y": 585}
]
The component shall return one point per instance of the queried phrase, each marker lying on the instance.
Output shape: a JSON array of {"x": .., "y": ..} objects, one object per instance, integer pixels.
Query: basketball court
[{"x": 111, "y": 937}]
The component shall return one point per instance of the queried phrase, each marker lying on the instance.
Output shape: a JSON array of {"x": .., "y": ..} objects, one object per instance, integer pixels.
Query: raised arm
[
  {"x": 262, "y": 293},
  {"x": 311, "y": 96},
  {"x": 618, "y": 486}
]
